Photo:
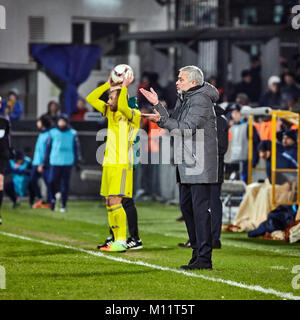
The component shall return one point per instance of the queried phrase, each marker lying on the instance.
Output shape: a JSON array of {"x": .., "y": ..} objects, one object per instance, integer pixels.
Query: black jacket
[
  {"x": 5, "y": 145},
  {"x": 270, "y": 99},
  {"x": 194, "y": 118},
  {"x": 222, "y": 134}
]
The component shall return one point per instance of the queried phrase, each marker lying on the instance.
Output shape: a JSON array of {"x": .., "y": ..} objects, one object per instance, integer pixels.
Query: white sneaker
[{"x": 63, "y": 210}]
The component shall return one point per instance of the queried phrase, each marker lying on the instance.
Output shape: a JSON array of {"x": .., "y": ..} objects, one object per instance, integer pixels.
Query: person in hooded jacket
[
  {"x": 62, "y": 153},
  {"x": 240, "y": 145},
  {"x": 19, "y": 169},
  {"x": 6, "y": 151},
  {"x": 289, "y": 143},
  {"x": 283, "y": 160},
  {"x": 197, "y": 166},
  {"x": 12, "y": 106},
  {"x": 216, "y": 206},
  {"x": 53, "y": 112},
  {"x": 44, "y": 125}
]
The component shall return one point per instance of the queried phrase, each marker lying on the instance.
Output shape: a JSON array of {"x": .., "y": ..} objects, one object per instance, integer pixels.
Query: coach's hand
[
  {"x": 151, "y": 96},
  {"x": 155, "y": 117}
]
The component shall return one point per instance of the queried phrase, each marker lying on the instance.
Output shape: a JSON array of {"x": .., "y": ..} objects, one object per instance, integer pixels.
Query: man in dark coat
[
  {"x": 194, "y": 119},
  {"x": 283, "y": 160},
  {"x": 246, "y": 86},
  {"x": 216, "y": 206},
  {"x": 289, "y": 142},
  {"x": 5, "y": 151},
  {"x": 272, "y": 98}
]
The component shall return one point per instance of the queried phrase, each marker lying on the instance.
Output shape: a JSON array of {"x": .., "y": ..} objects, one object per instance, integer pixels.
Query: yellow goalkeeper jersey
[{"x": 123, "y": 126}]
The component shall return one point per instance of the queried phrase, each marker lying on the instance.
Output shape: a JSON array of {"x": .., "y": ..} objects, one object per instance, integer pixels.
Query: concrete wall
[
  {"x": 58, "y": 15},
  {"x": 142, "y": 15}
]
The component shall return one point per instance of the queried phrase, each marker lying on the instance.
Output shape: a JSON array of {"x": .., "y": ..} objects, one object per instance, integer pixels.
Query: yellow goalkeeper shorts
[{"x": 116, "y": 181}]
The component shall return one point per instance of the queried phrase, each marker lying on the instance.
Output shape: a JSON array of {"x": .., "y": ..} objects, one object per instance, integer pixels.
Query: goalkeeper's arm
[{"x": 93, "y": 98}]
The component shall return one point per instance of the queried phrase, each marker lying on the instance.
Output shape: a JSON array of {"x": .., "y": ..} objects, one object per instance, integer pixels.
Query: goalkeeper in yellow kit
[{"x": 117, "y": 176}]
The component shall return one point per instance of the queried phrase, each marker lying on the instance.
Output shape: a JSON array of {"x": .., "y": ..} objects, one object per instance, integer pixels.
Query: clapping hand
[
  {"x": 155, "y": 117},
  {"x": 151, "y": 96}
]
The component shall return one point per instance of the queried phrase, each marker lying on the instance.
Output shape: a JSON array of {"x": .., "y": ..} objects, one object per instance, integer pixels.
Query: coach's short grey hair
[{"x": 194, "y": 73}]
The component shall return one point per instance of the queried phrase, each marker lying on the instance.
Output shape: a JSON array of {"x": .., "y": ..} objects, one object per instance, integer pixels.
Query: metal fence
[{"x": 197, "y": 13}]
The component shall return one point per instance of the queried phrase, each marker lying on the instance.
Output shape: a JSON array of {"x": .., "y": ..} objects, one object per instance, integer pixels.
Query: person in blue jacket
[
  {"x": 12, "y": 106},
  {"x": 44, "y": 124},
  {"x": 62, "y": 152},
  {"x": 283, "y": 160},
  {"x": 289, "y": 142},
  {"x": 19, "y": 169}
]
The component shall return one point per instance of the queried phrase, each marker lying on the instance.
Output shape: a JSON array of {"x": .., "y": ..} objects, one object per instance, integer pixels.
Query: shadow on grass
[
  {"x": 154, "y": 249},
  {"x": 36, "y": 253},
  {"x": 273, "y": 243},
  {"x": 87, "y": 274}
]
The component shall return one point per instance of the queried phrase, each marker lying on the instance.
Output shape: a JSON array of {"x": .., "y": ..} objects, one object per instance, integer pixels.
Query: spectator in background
[
  {"x": 289, "y": 86},
  {"x": 239, "y": 146},
  {"x": 297, "y": 74},
  {"x": 6, "y": 151},
  {"x": 242, "y": 99},
  {"x": 213, "y": 80},
  {"x": 62, "y": 152},
  {"x": 149, "y": 80},
  {"x": 53, "y": 111},
  {"x": 289, "y": 142},
  {"x": 284, "y": 126},
  {"x": 257, "y": 201},
  {"x": 255, "y": 71},
  {"x": 170, "y": 94},
  {"x": 283, "y": 160},
  {"x": 80, "y": 111},
  {"x": 272, "y": 98},
  {"x": 289, "y": 102},
  {"x": 284, "y": 69},
  {"x": 145, "y": 84},
  {"x": 12, "y": 106},
  {"x": 19, "y": 169},
  {"x": 246, "y": 86},
  {"x": 43, "y": 125}
]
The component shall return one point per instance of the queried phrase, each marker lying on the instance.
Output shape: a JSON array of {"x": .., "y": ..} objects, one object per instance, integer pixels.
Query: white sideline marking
[
  {"x": 279, "y": 268},
  {"x": 283, "y": 295}
]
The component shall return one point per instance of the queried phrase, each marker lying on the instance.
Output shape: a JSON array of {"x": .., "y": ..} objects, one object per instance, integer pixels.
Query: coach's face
[{"x": 183, "y": 83}]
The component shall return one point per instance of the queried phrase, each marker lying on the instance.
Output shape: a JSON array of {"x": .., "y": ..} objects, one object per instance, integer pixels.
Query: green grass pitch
[{"x": 56, "y": 269}]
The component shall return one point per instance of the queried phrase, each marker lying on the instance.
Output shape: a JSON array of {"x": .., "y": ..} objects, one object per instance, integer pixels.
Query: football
[{"x": 120, "y": 72}]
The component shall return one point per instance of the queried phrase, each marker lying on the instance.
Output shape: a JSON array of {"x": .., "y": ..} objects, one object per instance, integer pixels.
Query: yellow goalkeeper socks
[
  {"x": 111, "y": 220},
  {"x": 117, "y": 221}
]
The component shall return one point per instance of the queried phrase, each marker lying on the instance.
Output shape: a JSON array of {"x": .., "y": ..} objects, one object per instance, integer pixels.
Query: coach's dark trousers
[{"x": 194, "y": 205}]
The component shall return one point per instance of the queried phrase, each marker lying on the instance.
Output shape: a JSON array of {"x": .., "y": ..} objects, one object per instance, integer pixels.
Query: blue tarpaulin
[{"x": 71, "y": 64}]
